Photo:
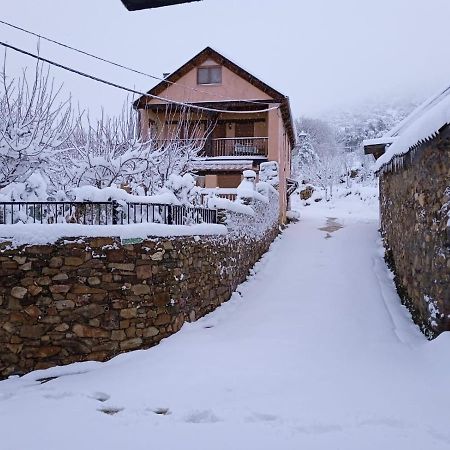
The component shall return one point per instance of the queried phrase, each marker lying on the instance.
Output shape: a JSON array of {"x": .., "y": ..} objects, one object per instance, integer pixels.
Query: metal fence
[{"x": 103, "y": 213}]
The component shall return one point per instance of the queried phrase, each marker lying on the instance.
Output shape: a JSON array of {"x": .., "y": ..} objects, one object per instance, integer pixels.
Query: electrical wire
[
  {"x": 124, "y": 88},
  {"x": 99, "y": 58}
]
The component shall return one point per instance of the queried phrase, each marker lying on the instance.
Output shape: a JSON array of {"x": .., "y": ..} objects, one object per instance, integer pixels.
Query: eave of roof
[
  {"x": 135, "y": 5},
  {"x": 210, "y": 53}
]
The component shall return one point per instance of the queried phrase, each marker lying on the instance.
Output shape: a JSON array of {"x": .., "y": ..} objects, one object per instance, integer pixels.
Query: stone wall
[
  {"x": 415, "y": 201},
  {"x": 90, "y": 299}
]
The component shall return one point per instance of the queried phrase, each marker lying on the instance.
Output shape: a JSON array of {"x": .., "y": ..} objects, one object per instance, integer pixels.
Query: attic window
[{"x": 209, "y": 75}]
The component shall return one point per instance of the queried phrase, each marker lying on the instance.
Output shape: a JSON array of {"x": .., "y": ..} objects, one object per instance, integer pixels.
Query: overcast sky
[{"x": 323, "y": 54}]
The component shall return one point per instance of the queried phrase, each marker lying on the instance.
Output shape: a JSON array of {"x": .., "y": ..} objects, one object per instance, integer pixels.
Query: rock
[
  {"x": 33, "y": 311},
  {"x": 128, "y": 313},
  {"x": 73, "y": 261},
  {"x": 25, "y": 267},
  {"x": 122, "y": 266},
  {"x": 90, "y": 332},
  {"x": 168, "y": 245},
  {"x": 150, "y": 332},
  {"x": 158, "y": 256},
  {"x": 34, "y": 290},
  {"x": 118, "y": 335},
  {"x": 9, "y": 265},
  {"x": 14, "y": 348},
  {"x": 20, "y": 259},
  {"x": 32, "y": 331},
  {"x": 56, "y": 262},
  {"x": 19, "y": 292},
  {"x": 90, "y": 311},
  {"x": 101, "y": 242},
  {"x": 140, "y": 289},
  {"x": 83, "y": 289},
  {"x": 59, "y": 289},
  {"x": 94, "y": 281},
  {"x": 44, "y": 281},
  {"x": 64, "y": 304},
  {"x": 161, "y": 299},
  {"x": 60, "y": 277},
  {"x": 62, "y": 327},
  {"x": 163, "y": 319},
  {"x": 131, "y": 344},
  {"x": 9, "y": 327},
  {"x": 143, "y": 272},
  {"x": 42, "y": 352}
]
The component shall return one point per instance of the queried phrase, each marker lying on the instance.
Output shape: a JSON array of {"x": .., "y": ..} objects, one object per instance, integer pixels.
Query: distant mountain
[{"x": 368, "y": 121}]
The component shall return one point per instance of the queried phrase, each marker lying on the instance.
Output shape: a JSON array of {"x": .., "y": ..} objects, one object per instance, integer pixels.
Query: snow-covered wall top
[{"x": 421, "y": 125}]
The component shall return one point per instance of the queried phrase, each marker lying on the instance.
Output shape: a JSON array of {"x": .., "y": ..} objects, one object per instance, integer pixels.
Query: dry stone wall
[
  {"x": 415, "y": 203},
  {"x": 90, "y": 299}
]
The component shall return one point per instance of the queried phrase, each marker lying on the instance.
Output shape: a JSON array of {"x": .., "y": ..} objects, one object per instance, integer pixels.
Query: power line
[
  {"x": 99, "y": 58},
  {"x": 124, "y": 88}
]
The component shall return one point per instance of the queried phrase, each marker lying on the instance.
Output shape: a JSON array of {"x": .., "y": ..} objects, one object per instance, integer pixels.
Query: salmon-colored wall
[{"x": 233, "y": 87}]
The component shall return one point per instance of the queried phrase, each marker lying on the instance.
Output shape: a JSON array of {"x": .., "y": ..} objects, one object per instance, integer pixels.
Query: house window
[{"x": 209, "y": 75}]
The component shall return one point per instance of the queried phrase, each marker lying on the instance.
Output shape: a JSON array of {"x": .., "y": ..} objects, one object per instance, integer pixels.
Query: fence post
[
  {"x": 115, "y": 212},
  {"x": 169, "y": 215}
]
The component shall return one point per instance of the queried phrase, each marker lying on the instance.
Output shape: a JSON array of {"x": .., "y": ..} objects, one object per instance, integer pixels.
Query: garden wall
[
  {"x": 415, "y": 202},
  {"x": 92, "y": 298}
]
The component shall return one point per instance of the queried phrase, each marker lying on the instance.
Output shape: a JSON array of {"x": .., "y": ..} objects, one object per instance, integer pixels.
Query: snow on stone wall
[{"x": 92, "y": 298}]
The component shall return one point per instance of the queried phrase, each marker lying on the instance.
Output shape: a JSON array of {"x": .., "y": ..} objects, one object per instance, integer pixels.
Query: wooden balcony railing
[
  {"x": 243, "y": 146},
  {"x": 233, "y": 146}
]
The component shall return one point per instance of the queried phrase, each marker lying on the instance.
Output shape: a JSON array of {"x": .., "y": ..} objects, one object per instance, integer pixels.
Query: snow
[
  {"x": 314, "y": 351},
  {"x": 229, "y": 205},
  {"x": 31, "y": 234},
  {"x": 421, "y": 125},
  {"x": 94, "y": 194}
]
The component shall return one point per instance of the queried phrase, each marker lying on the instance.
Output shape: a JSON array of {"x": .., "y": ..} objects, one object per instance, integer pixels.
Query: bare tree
[
  {"x": 112, "y": 151},
  {"x": 34, "y": 124}
]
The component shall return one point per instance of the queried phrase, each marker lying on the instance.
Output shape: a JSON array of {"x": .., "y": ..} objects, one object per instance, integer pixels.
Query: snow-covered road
[{"x": 314, "y": 352}]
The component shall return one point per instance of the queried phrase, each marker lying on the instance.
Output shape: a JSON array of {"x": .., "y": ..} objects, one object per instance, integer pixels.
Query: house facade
[
  {"x": 414, "y": 173},
  {"x": 237, "y": 120}
]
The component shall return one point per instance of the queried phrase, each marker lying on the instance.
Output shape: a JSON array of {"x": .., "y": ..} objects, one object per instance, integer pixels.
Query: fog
[{"x": 323, "y": 54}]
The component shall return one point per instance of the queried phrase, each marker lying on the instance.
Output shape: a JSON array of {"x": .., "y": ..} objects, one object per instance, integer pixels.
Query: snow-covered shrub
[
  {"x": 183, "y": 188},
  {"x": 268, "y": 173},
  {"x": 34, "y": 188}
]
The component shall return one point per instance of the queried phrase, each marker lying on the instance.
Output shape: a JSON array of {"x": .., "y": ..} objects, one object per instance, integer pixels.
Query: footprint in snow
[
  {"x": 100, "y": 396},
  {"x": 262, "y": 417},
  {"x": 162, "y": 411},
  {"x": 110, "y": 410},
  {"x": 206, "y": 416}
]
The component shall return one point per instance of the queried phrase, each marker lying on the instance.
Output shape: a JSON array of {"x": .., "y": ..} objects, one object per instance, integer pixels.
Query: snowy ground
[{"x": 313, "y": 352}]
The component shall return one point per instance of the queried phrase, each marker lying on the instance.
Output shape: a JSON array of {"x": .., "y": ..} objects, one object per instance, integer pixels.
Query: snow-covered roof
[
  {"x": 421, "y": 125},
  {"x": 384, "y": 140},
  {"x": 222, "y": 163}
]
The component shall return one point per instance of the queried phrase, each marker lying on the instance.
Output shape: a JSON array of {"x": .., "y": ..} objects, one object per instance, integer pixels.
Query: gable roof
[
  {"x": 210, "y": 53},
  {"x": 423, "y": 124}
]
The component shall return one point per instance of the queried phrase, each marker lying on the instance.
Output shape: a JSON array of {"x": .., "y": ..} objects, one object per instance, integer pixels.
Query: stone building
[{"x": 413, "y": 166}]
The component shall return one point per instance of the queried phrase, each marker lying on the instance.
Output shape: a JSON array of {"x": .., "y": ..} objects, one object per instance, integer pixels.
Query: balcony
[
  {"x": 242, "y": 146},
  {"x": 245, "y": 147}
]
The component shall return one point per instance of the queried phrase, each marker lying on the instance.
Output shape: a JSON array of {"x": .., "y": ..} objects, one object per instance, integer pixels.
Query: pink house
[{"x": 238, "y": 120}]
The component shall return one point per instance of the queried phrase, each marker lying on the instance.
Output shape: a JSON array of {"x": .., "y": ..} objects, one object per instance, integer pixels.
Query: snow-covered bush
[
  {"x": 34, "y": 188},
  {"x": 183, "y": 188},
  {"x": 268, "y": 173}
]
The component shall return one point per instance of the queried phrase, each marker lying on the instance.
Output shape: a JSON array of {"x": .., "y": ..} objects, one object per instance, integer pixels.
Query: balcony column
[{"x": 273, "y": 129}]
